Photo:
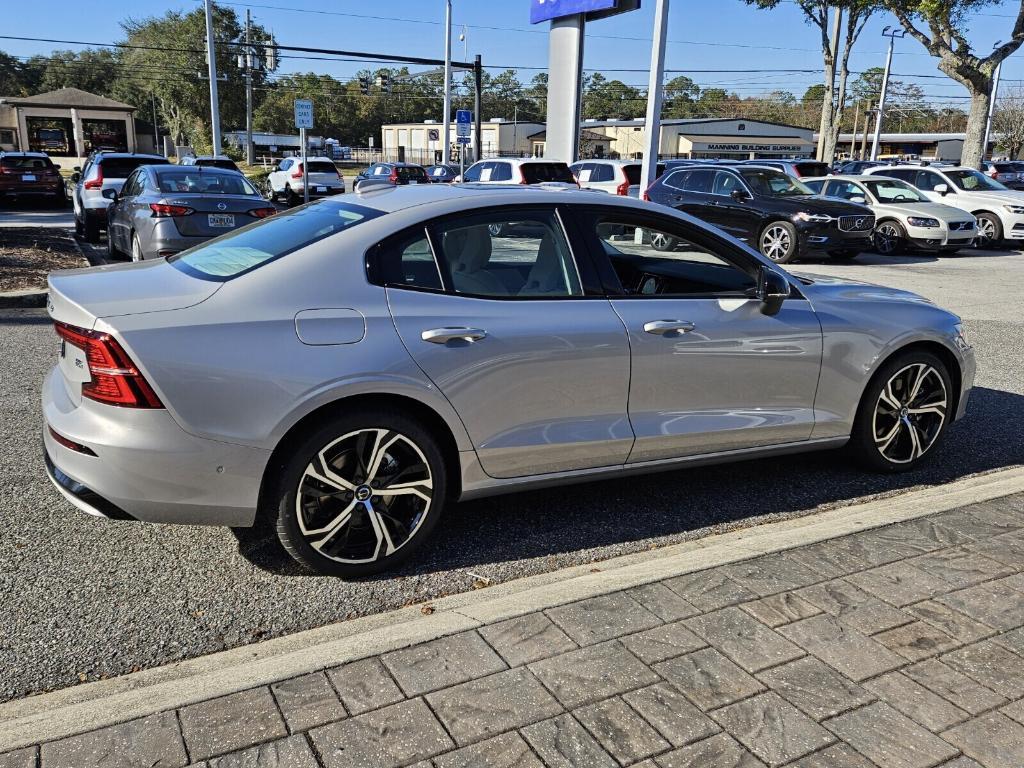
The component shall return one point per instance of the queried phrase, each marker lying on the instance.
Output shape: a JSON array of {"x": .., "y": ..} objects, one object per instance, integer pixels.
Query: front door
[
  {"x": 710, "y": 371},
  {"x": 516, "y": 336},
  {"x": 735, "y": 215}
]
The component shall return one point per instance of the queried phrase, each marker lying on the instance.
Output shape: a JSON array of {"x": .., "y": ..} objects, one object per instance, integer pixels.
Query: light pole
[
  {"x": 211, "y": 60},
  {"x": 445, "y": 137},
  {"x": 655, "y": 88},
  {"x": 991, "y": 106},
  {"x": 892, "y": 34}
]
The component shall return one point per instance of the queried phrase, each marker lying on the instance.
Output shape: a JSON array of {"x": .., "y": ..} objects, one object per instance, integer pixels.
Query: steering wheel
[{"x": 900, "y": 197}]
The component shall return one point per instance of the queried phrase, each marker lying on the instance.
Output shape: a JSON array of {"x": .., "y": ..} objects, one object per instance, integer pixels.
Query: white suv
[
  {"x": 550, "y": 173},
  {"x": 102, "y": 171},
  {"x": 616, "y": 177},
  {"x": 999, "y": 210},
  {"x": 286, "y": 180}
]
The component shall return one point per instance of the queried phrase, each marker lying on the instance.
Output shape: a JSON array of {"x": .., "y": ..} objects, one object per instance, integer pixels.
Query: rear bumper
[
  {"x": 146, "y": 467},
  {"x": 40, "y": 190}
]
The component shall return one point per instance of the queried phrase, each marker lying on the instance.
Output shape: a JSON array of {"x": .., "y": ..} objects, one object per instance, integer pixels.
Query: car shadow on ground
[{"x": 648, "y": 509}]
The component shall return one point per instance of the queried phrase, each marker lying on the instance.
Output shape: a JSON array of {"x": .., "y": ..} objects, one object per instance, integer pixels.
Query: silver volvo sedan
[{"x": 347, "y": 368}]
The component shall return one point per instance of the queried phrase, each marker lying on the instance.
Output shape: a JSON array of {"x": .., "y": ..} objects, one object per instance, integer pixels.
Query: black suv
[{"x": 766, "y": 208}]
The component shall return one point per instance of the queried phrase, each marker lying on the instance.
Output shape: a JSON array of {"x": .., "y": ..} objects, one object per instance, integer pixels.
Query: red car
[{"x": 26, "y": 175}]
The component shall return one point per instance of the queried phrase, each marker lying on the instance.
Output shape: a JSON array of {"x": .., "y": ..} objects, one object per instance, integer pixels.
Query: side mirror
[
  {"x": 76, "y": 177},
  {"x": 57, "y": 167},
  {"x": 739, "y": 195},
  {"x": 772, "y": 290},
  {"x": 942, "y": 189},
  {"x": 858, "y": 199},
  {"x": 110, "y": 194}
]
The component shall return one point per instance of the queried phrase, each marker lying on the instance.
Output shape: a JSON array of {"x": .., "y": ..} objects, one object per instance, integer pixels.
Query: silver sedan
[
  {"x": 346, "y": 369},
  {"x": 164, "y": 209}
]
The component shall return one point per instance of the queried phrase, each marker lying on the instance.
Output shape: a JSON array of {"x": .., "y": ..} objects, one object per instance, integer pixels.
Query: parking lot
[{"x": 88, "y": 598}]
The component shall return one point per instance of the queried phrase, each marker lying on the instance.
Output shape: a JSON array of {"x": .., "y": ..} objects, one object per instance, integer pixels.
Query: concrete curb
[
  {"x": 87, "y": 707},
  {"x": 25, "y": 299}
]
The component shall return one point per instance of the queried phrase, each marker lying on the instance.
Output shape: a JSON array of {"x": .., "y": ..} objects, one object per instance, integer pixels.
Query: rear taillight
[
  {"x": 115, "y": 379},
  {"x": 393, "y": 178},
  {"x": 165, "y": 211},
  {"x": 522, "y": 176},
  {"x": 646, "y": 197},
  {"x": 297, "y": 173},
  {"x": 623, "y": 188},
  {"x": 262, "y": 213},
  {"x": 96, "y": 183}
]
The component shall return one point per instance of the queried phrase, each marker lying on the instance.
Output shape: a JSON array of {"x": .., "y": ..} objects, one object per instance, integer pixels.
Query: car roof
[
  {"x": 389, "y": 198},
  {"x": 612, "y": 161},
  {"x": 211, "y": 157},
  {"x": 205, "y": 170},
  {"x": 24, "y": 154},
  {"x": 100, "y": 156}
]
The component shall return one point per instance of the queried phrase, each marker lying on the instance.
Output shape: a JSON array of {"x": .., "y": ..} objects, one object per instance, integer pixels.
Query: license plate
[
  {"x": 29, "y": 177},
  {"x": 222, "y": 219},
  {"x": 319, "y": 189}
]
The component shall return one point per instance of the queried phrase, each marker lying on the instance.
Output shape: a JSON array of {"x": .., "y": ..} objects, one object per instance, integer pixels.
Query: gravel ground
[
  {"x": 29, "y": 254},
  {"x": 86, "y": 598}
]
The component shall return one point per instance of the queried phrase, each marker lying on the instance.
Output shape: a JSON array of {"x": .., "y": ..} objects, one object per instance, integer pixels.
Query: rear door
[
  {"x": 516, "y": 334},
  {"x": 739, "y": 217},
  {"x": 710, "y": 371},
  {"x": 690, "y": 191}
]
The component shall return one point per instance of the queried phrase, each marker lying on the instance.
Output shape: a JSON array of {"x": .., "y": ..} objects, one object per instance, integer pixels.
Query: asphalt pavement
[{"x": 87, "y": 598}]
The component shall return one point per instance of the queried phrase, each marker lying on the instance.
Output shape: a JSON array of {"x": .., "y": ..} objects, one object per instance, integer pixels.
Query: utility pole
[
  {"x": 655, "y": 91},
  {"x": 892, "y": 34},
  {"x": 447, "y": 120},
  {"x": 478, "y": 75},
  {"x": 853, "y": 139},
  {"x": 991, "y": 106},
  {"x": 250, "y": 150},
  {"x": 211, "y": 60},
  {"x": 156, "y": 133}
]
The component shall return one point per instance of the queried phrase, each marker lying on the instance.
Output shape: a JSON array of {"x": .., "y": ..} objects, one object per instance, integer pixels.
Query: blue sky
[{"x": 704, "y": 35}]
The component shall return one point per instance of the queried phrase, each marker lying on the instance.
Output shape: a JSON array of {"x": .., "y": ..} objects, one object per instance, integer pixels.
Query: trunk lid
[
  {"x": 79, "y": 296},
  {"x": 214, "y": 214}
]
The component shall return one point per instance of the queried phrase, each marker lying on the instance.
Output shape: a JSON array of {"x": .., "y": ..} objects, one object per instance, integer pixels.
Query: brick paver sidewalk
[{"x": 899, "y": 647}]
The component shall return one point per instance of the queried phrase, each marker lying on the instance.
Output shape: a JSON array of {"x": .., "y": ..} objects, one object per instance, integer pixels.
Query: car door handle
[
  {"x": 668, "y": 327},
  {"x": 444, "y": 335}
]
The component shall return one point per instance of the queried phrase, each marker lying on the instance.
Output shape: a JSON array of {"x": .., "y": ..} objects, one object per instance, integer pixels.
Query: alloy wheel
[
  {"x": 986, "y": 232},
  {"x": 775, "y": 243},
  {"x": 910, "y": 413},
  {"x": 364, "y": 496},
  {"x": 887, "y": 239},
  {"x": 662, "y": 242},
  {"x": 137, "y": 254}
]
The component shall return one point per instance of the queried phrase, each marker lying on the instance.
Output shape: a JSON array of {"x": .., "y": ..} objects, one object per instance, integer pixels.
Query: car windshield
[
  {"x": 195, "y": 182},
  {"x": 537, "y": 173},
  {"x": 770, "y": 183},
  {"x": 894, "y": 192},
  {"x": 26, "y": 163},
  {"x": 633, "y": 172},
  {"x": 812, "y": 169},
  {"x": 974, "y": 181},
  {"x": 253, "y": 246},
  {"x": 121, "y": 167}
]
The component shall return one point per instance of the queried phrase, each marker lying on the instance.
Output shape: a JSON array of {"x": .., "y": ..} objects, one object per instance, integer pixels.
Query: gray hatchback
[{"x": 164, "y": 209}]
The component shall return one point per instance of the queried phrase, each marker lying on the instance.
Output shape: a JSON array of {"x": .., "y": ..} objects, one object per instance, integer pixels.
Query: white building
[{"x": 422, "y": 142}]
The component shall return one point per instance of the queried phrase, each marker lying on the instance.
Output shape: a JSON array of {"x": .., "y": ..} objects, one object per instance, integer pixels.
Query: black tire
[
  {"x": 662, "y": 242},
  {"x": 889, "y": 238},
  {"x": 871, "y": 430},
  {"x": 986, "y": 220},
  {"x": 112, "y": 250},
  {"x": 92, "y": 230},
  {"x": 778, "y": 242},
  {"x": 79, "y": 229},
  {"x": 291, "y": 197},
  {"x": 844, "y": 255},
  {"x": 407, "y": 518}
]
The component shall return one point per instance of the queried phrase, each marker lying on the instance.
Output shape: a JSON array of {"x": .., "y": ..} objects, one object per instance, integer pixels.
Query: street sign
[
  {"x": 462, "y": 139},
  {"x": 433, "y": 134},
  {"x": 303, "y": 113},
  {"x": 463, "y": 123}
]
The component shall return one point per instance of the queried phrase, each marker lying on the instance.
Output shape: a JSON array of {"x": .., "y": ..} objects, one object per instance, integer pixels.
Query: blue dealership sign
[{"x": 545, "y": 10}]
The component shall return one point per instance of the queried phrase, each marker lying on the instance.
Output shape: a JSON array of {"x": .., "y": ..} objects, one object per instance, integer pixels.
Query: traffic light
[
  {"x": 364, "y": 85},
  {"x": 384, "y": 81}
]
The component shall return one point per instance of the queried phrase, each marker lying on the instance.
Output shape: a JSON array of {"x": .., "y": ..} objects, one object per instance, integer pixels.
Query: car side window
[
  {"x": 677, "y": 179},
  {"x": 285, "y": 165},
  {"x": 846, "y": 190},
  {"x": 583, "y": 172},
  {"x": 381, "y": 170},
  {"x": 473, "y": 172},
  {"x": 501, "y": 172},
  {"x": 661, "y": 259},
  {"x": 405, "y": 261},
  {"x": 928, "y": 179},
  {"x": 130, "y": 186},
  {"x": 699, "y": 181},
  {"x": 906, "y": 174},
  {"x": 725, "y": 183},
  {"x": 602, "y": 172},
  {"x": 522, "y": 254}
]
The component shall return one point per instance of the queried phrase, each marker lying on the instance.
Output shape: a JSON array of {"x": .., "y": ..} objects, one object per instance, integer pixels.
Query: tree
[
  {"x": 681, "y": 95},
  {"x": 1008, "y": 122},
  {"x": 611, "y": 99},
  {"x": 813, "y": 96},
  {"x": 941, "y": 26},
  {"x": 11, "y": 77},
  {"x": 95, "y": 71},
  {"x": 836, "y": 46}
]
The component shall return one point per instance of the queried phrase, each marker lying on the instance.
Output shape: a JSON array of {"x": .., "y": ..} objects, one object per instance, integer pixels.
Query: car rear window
[
  {"x": 812, "y": 169},
  {"x": 536, "y": 173},
  {"x": 25, "y": 163},
  {"x": 227, "y": 165},
  {"x": 322, "y": 167},
  {"x": 633, "y": 172},
  {"x": 253, "y": 246},
  {"x": 410, "y": 172},
  {"x": 195, "y": 182},
  {"x": 121, "y": 167}
]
